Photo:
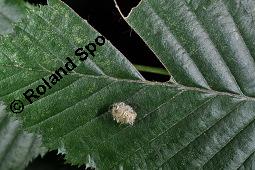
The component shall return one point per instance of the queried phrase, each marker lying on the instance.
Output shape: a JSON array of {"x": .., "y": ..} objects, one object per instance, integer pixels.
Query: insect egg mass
[{"x": 123, "y": 113}]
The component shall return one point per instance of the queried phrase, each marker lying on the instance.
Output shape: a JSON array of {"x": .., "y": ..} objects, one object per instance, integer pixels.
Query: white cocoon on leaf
[{"x": 123, "y": 113}]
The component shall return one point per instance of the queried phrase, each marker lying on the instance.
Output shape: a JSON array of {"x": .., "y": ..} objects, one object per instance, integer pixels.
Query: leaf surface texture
[{"x": 204, "y": 119}]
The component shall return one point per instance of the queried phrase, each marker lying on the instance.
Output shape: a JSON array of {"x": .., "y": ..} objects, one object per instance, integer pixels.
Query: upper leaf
[
  {"x": 208, "y": 124},
  {"x": 207, "y": 44}
]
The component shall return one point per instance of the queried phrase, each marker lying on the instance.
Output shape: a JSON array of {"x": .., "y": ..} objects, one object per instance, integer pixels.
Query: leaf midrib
[{"x": 166, "y": 84}]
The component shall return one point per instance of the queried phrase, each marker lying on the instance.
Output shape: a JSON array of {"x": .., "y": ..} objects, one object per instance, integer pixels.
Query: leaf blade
[
  {"x": 17, "y": 147},
  {"x": 191, "y": 33},
  {"x": 10, "y": 13},
  {"x": 177, "y": 126}
]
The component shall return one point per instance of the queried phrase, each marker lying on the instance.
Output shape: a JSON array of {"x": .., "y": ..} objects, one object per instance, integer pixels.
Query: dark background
[{"x": 105, "y": 18}]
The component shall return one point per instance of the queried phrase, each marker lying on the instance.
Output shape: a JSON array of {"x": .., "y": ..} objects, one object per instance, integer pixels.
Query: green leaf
[
  {"x": 207, "y": 44},
  {"x": 207, "y": 121},
  {"x": 11, "y": 11},
  {"x": 17, "y": 148}
]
